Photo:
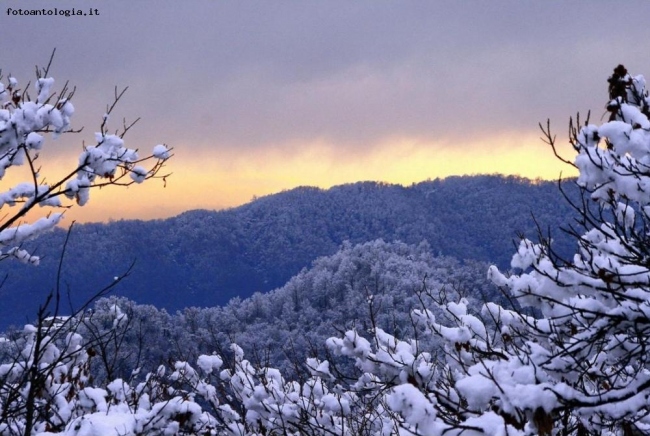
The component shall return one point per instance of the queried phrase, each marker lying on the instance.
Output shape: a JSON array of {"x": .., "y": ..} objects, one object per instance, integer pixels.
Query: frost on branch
[{"x": 25, "y": 123}]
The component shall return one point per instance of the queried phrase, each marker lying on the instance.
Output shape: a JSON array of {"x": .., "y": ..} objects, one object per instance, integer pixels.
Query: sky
[{"x": 256, "y": 97}]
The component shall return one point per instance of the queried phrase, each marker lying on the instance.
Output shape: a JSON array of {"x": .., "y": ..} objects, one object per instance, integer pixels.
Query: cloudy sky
[{"x": 262, "y": 96}]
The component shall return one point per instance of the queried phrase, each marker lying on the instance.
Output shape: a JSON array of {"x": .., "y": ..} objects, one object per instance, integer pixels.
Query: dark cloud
[{"x": 253, "y": 74}]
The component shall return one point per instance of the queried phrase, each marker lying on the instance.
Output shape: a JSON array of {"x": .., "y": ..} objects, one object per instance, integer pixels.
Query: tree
[
  {"x": 24, "y": 122},
  {"x": 571, "y": 355},
  {"x": 50, "y": 354}
]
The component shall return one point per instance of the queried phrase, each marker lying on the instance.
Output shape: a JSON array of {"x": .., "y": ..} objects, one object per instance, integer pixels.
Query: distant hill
[
  {"x": 287, "y": 324},
  {"x": 205, "y": 258}
]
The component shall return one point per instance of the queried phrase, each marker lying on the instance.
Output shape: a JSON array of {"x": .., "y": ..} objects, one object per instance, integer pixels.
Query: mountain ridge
[{"x": 205, "y": 258}]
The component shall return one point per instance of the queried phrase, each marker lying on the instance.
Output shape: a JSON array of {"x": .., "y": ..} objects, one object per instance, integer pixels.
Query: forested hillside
[
  {"x": 375, "y": 282},
  {"x": 205, "y": 258}
]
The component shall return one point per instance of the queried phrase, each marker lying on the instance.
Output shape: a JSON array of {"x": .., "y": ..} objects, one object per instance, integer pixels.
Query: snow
[
  {"x": 139, "y": 174},
  {"x": 161, "y": 151},
  {"x": 416, "y": 409},
  {"x": 209, "y": 363}
]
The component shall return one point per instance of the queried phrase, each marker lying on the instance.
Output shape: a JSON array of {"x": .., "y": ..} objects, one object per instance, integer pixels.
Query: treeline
[{"x": 206, "y": 258}]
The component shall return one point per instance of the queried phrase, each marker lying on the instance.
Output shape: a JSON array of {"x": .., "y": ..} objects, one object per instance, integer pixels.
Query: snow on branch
[{"x": 25, "y": 123}]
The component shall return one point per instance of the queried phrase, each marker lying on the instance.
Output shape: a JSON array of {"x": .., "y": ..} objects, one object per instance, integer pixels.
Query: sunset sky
[{"x": 257, "y": 97}]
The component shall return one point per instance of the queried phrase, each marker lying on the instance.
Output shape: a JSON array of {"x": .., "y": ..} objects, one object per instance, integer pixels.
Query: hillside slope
[{"x": 205, "y": 258}]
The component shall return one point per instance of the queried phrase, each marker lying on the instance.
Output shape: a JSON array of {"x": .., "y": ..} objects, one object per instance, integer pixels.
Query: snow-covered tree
[
  {"x": 28, "y": 114},
  {"x": 49, "y": 360},
  {"x": 573, "y": 357}
]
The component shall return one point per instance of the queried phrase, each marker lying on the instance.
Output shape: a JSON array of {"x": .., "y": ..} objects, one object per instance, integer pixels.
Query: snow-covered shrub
[{"x": 25, "y": 122}]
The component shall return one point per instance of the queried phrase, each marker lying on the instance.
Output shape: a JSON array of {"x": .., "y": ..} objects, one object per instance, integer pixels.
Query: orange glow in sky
[
  {"x": 261, "y": 97},
  {"x": 227, "y": 179}
]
